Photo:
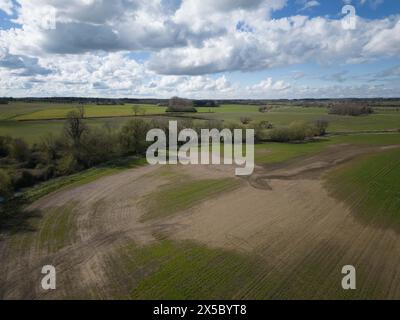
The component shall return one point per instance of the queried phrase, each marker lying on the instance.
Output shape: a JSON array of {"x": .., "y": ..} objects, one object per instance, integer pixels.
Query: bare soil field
[{"x": 292, "y": 236}]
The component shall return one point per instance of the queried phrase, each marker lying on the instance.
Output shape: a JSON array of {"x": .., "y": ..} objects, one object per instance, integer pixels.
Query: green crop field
[
  {"x": 371, "y": 186},
  {"x": 281, "y": 115},
  {"x": 176, "y": 197},
  {"x": 279, "y": 152},
  {"x": 44, "y": 111},
  {"x": 187, "y": 270},
  {"x": 91, "y": 112}
]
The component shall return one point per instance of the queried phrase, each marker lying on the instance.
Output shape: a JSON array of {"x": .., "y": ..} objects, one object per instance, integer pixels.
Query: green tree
[
  {"x": 136, "y": 110},
  {"x": 132, "y": 137}
]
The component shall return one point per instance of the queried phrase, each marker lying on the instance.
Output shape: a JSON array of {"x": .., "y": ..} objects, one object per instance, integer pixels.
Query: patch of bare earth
[
  {"x": 281, "y": 214},
  {"x": 284, "y": 214}
]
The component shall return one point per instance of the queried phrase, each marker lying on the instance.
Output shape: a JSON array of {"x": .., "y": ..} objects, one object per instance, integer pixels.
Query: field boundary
[{"x": 172, "y": 115}]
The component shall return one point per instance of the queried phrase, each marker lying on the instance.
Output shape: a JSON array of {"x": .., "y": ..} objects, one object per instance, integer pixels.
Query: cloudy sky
[{"x": 200, "y": 48}]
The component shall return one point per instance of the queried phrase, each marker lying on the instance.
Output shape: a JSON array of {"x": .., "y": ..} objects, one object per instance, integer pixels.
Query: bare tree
[
  {"x": 177, "y": 104},
  {"x": 75, "y": 126},
  {"x": 81, "y": 110}
]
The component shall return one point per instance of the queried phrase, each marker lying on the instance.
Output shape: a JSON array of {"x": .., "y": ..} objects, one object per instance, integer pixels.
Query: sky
[{"x": 225, "y": 49}]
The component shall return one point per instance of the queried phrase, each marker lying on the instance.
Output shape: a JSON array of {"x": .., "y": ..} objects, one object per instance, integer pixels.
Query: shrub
[
  {"x": 261, "y": 130},
  {"x": 35, "y": 158},
  {"x": 265, "y": 125},
  {"x": 24, "y": 179},
  {"x": 20, "y": 150},
  {"x": 299, "y": 131},
  {"x": 280, "y": 135},
  {"x": 296, "y": 131},
  {"x": 51, "y": 148},
  {"x": 45, "y": 173},
  {"x": 245, "y": 120},
  {"x": 350, "y": 109},
  {"x": 265, "y": 109},
  {"x": 97, "y": 146},
  {"x": 5, "y": 146},
  {"x": 67, "y": 165},
  {"x": 5, "y": 184},
  {"x": 132, "y": 137},
  {"x": 321, "y": 125}
]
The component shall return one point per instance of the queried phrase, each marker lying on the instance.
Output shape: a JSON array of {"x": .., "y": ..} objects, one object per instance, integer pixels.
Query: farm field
[
  {"x": 379, "y": 121},
  {"x": 132, "y": 231},
  {"x": 270, "y": 153},
  {"x": 29, "y": 120},
  {"x": 277, "y": 234},
  {"x": 91, "y": 112},
  {"x": 371, "y": 186}
]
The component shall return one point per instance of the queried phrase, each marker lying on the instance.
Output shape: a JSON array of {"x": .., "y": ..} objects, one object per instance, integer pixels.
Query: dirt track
[{"x": 281, "y": 214}]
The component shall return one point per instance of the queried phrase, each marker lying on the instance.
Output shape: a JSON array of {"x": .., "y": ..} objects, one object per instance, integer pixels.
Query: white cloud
[
  {"x": 90, "y": 25},
  {"x": 282, "y": 42},
  {"x": 307, "y": 4},
  {"x": 201, "y": 38},
  {"x": 6, "y": 6},
  {"x": 89, "y": 51},
  {"x": 268, "y": 85},
  {"x": 385, "y": 42}
]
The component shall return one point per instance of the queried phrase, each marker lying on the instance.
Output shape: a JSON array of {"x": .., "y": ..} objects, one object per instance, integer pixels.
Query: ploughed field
[{"x": 199, "y": 232}]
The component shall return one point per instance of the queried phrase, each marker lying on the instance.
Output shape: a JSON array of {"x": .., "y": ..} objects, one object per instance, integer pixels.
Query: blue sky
[{"x": 199, "y": 49}]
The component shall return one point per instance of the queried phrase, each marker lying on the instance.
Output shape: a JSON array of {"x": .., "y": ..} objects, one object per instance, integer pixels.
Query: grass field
[
  {"x": 280, "y": 116},
  {"x": 279, "y": 152}
]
